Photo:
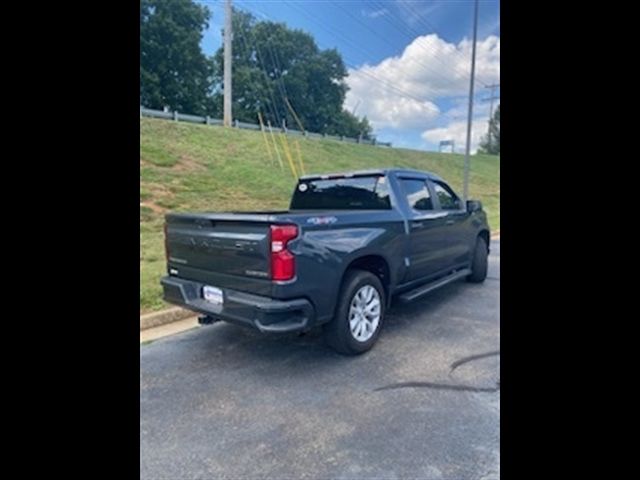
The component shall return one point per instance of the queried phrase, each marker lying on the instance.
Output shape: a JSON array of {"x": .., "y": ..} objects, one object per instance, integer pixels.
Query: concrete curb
[
  {"x": 156, "y": 333},
  {"x": 155, "y": 319}
]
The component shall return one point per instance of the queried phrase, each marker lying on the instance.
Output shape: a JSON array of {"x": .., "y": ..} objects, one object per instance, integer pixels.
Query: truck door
[
  {"x": 456, "y": 249},
  {"x": 426, "y": 226}
]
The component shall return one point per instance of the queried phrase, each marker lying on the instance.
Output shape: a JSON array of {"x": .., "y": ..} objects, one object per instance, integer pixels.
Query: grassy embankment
[{"x": 199, "y": 167}]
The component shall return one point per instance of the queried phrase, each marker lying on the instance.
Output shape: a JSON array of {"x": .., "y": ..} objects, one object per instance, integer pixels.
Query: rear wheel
[
  {"x": 480, "y": 262},
  {"x": 359, "y": 314}
]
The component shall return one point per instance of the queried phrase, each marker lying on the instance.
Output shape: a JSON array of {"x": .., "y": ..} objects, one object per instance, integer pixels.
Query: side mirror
[{"x": 474, "y": 206}]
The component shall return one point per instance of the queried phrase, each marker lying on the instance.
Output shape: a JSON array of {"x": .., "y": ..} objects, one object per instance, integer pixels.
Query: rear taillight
[{"x": 283, "y": 263}]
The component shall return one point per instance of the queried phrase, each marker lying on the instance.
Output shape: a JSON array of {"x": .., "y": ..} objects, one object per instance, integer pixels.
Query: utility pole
[
  {"x": 353, "y": 112},
  {"x": 228, "y": 36},
  {"x": 465, "y": 194},
  {"x": 491, "y": 99}
]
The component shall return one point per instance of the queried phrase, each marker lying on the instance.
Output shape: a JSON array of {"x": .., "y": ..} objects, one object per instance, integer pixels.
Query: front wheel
[
  {"x": 359, "y": 314},
  {"x": 479, "y": 264}
]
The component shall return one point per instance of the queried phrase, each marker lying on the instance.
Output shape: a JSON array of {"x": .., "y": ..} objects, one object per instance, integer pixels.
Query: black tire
[
  {"x": 337, "y": 332},
  {"x": 480, "y": 262}
]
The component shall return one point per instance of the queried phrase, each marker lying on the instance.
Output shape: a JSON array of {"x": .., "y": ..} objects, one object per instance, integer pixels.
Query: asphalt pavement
[{"x": 223, "y": 401}]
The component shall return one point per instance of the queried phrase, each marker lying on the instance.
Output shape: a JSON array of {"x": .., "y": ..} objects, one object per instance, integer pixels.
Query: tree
[
  {"x": 349, "y": 125},
  {"x": 174, "y": 72},
  {"x": 276, "y": 70},
  {"x": 491, "y": 142}
]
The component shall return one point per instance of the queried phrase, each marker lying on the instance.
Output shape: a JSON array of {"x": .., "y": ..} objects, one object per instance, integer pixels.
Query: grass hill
[{"x": 199, "y": 167}]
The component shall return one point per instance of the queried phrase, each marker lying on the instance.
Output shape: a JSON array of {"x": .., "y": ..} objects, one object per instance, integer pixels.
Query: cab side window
[{"x": 448, "y": 200}]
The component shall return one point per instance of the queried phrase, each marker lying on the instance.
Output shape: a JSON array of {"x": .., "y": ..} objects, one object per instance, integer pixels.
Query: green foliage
[
  {"x": 491, "y": 142},
  {"x": 173, "y": 70},
  {"x": 349, "y": 125},
  {"x": 275, "y": 70}
]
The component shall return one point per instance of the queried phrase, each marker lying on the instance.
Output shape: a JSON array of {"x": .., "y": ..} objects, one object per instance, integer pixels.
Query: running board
[{"x": 429, "y": 287}]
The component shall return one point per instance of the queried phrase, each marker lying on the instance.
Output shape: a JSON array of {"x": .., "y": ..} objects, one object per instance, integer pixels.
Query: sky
[{"x": 409, "y": 61}]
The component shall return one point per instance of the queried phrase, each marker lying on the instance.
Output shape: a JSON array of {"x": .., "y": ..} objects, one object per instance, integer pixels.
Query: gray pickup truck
[{"x": 348, "y": 245}]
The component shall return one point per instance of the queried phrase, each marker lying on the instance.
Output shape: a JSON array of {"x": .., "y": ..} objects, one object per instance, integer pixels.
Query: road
[{"x": 226, "y": 402}]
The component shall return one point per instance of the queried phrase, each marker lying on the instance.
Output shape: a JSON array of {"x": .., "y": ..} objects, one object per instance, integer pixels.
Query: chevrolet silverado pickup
[{"x": 348, "y": 244}]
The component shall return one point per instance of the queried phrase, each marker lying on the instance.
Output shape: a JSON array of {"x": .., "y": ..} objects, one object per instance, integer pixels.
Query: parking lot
[{"x": 226, "y": 402}]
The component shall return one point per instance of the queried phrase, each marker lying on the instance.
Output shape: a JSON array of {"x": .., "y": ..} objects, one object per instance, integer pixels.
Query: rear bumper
[{"x": 264, "y": 313}]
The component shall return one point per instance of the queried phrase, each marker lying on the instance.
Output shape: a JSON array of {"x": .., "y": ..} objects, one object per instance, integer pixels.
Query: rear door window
[{"x": 417, "y": 194}]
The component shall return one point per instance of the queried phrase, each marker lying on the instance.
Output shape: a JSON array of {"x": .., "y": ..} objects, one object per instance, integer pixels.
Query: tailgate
[{"x": 224, "y": 248}]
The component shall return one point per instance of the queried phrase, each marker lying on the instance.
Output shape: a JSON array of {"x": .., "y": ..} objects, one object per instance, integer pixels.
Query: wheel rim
[{"x": 364, "y": 313}]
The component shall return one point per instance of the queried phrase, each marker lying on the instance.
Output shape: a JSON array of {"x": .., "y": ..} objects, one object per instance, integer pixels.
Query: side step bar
[{"x": 429, "y": 287}]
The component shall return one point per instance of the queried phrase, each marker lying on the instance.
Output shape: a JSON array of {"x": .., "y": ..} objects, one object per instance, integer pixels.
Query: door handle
[
  {"x": 417, "y": 225},
  {"x": 449, "y": 222}
]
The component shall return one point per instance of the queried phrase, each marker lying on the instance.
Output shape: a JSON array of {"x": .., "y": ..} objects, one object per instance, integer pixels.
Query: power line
[
  {"x": 390, "y": 86},
  {"x": 277, "y": 71},
  {"x": 279, "y": 77},
  {"x": 280, "y": 82},
  {"x": 446, "y": 80},
  {"x": 401, "y": 26},
  {"x": 380, "y": 81},
  {"x": 425, "y": 23},
  {"x": 248, "y": 51},
  {"x": 350, "y": 64},
  {"x": 397, "y": 26},
  {"x": 414, "y": 60}
]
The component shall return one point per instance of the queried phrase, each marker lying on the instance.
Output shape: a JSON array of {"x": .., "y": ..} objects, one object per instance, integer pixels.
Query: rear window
[{"x": 356, "y": 193}]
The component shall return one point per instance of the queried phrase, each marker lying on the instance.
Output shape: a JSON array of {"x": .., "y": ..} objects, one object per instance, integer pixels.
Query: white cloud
[
  {"x": 457, "y": 131},
  {"x": 400, "y": 92},
  {"x": 385, "y": 108},
  {"x": 375, "y": 13}
]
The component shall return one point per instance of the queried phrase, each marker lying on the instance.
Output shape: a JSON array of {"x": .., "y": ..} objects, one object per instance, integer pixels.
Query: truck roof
[{"x": 379, "y": 171}]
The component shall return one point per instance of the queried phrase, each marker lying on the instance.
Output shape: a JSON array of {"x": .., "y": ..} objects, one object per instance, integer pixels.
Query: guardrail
[{"x": 207, "y": 120}]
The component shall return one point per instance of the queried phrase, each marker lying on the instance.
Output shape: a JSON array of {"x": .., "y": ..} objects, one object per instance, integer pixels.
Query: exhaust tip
[{"x": 207, "y": 320}]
